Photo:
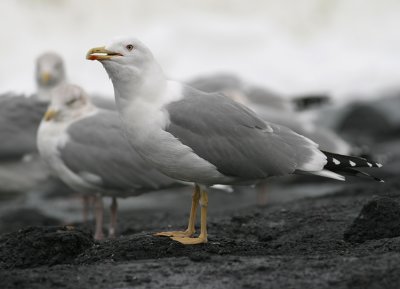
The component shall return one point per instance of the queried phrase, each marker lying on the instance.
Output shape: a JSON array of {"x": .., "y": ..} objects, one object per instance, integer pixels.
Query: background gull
[
  {"x": 205, "y": 138},
  {"x": 50, "y": 73},
  {"x": 254, "y": 95},
  {"x": 85, "y": 146},
  {"x": 20, "y": 116},
  {"x": 19, "y": 120}
]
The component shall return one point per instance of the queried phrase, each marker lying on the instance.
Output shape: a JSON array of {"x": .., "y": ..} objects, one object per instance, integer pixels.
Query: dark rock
[
  {"x": 146, "y": 246},
  {"x": 290, "y": 245},
  {"x": 378, "y": 219},
  {"x": 37, "y": 246},
  {"x": 199, "y": 257}
]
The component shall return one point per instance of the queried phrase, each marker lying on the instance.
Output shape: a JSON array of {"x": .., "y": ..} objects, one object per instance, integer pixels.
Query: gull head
[
  {"x": 125, "y": 59},
  {"x": 50, "y": 70},
  {"x": 68, "y": 102}
]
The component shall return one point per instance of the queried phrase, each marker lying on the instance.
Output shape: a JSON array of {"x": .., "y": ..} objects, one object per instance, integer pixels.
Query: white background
[{"x": 346, "y": 47}]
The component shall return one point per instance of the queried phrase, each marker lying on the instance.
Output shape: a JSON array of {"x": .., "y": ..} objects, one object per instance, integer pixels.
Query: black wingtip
[
  {"x": 337, "y": 162},
  {"x": 358, "y": 173}
]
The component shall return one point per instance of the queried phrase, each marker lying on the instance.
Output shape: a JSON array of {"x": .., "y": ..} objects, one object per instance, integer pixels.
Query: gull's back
[{"x": 19, "y": 121}]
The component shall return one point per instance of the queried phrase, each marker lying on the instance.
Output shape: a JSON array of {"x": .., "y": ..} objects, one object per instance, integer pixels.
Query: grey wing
[
  {"x": 235, "y": 139},
  {"x": 103, "y": 102},
  {"x": 98, "y": 147},
  {"x": 325, "y": 137},
  {"x": 19, "y": 120}
]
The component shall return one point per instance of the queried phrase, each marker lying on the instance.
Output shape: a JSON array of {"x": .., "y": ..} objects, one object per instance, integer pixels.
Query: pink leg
[
  {"x": 99, "y": 235},
  {"x": 85, "y": 203},
  {"x": 262, "y": 194},
  {"x": 113, "y": 222}
]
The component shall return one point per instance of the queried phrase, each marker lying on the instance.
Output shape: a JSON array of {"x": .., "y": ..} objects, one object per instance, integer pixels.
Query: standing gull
[
  {"x": 204, "y": 138},
  {"x": 85, "y": 147}
]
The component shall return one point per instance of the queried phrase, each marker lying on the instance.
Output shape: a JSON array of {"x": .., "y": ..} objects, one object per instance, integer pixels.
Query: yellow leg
[
  {"x": 202, "y": 238},
  {"x": 192, "y": 218}
]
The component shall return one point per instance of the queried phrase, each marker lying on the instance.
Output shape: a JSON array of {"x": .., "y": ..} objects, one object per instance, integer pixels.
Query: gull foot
[
  {"x": 179, "y": 234},
  {"x": 190, "y": 241}
]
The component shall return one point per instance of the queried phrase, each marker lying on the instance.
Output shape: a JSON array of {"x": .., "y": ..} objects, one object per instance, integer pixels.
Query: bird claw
[
  {"x": 190, "y": 241},
  {"x": 179, "y": 234}
]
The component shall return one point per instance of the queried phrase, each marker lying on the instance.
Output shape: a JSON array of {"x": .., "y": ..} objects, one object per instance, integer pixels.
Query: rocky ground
[{"x": 349, "y": 238}]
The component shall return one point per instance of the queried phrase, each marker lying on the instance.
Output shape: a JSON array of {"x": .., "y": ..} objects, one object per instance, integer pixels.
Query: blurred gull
[
  {"x": 85, "y": 146},
  {"x": 205, "y": 138},
  {"x": 20, "y": 116},
  {"x": 237, "y": 89},
  {"x": 19, "y": 119},
  {"x": 50, "y": 72},
  {"x": 253, "y": 95}
]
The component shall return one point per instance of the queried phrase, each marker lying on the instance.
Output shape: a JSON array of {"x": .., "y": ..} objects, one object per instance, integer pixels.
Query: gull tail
[
  {"x": 348, "y": 165},
  {"x": 304, "y": 102}
]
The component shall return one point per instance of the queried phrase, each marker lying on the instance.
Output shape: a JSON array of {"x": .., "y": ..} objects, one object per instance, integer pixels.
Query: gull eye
[
  {"x": 129, "y": 47},
  {"x": 71, "y": 102}
]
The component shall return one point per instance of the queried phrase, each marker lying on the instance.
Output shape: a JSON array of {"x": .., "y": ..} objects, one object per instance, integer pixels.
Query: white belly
[
  {"x": 50, "y": 139},
  {"x": 163, "y": 151}
]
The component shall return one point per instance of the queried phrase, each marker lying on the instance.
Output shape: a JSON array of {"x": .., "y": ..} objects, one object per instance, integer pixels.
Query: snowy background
[{"x": 346, "y": 47}]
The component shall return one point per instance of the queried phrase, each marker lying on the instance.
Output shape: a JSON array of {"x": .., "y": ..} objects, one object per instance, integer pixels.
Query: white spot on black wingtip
[
  {"x": 335, "y": 161},
  {"x": 369, "y": 164},
  {"x": 353, "y": 164},
  {"x": 381, "y": 181},
  {"x": 268, "y": 129},
  {"x": 378, "y": 165}
]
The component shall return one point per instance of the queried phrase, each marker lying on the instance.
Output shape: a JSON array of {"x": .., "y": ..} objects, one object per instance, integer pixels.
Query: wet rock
[
  {"x": 37, "y": 246},
  {"x": 199, "y": 257},
  {"x": 378, "y": 219}
]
